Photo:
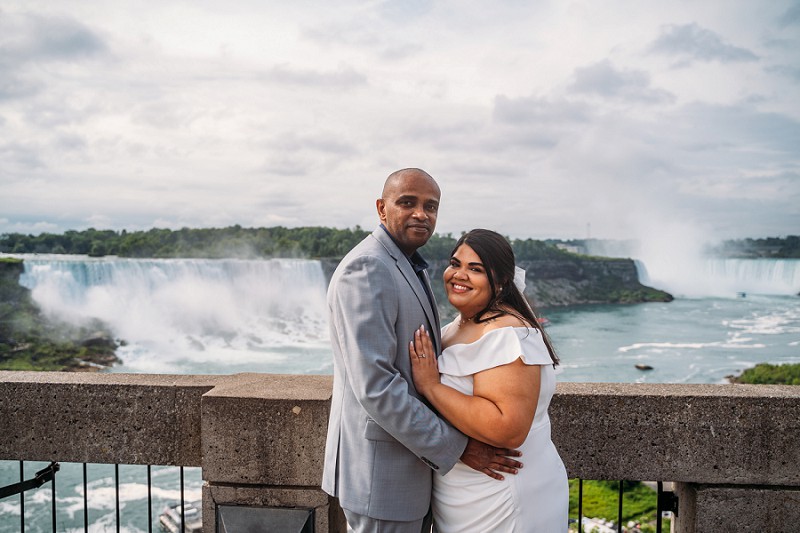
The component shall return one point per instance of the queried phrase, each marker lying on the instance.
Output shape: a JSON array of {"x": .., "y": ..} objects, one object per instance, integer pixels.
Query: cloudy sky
[{"x": 564, "y": 119}]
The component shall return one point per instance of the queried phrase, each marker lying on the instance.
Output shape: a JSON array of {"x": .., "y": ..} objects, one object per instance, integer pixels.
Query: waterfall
[
  {"x": 722, "y": 277},
  {"x": 672, "y": 257},
  {"x": 219, "y": 314}
]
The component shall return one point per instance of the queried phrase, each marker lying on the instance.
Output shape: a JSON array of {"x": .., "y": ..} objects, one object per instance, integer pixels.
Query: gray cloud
[
  {"x": 347, "y": 34},
  {"x": 529, "y": 110},
  {"x": 27, "y": 40},
  {"x": 690, "y": 42},
  {"x": 166, "y": 114},
  {"x": 604, "y": 80},
  {"x": 286, "y": 166},
  {"x": 35, "y": 38},
  {"x": 761, "y": 203},
  {"x": 19, "y": 155},
  {"x": 344, "y": 77},
  {"x": 51, "y": 112},
  {"x": 748, "y": 131},
  {"x": 791, "y": 17},
  {"x": 790, "y": 71},
  {"x": 324, "y": 142},
  {"x": 404, "y": 11},
  {"x": 401, "y": 51},
  {"x": 13, "y": 87},
  {"x": 70, "y": 142},
  {"x": 371, "y": 33}
]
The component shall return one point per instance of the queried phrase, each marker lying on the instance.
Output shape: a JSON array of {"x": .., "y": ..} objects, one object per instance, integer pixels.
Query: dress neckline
[{"x": 484, "y": 335}]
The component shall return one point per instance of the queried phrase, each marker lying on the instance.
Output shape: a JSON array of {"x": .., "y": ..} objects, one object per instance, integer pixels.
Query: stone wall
[{"x": 734, "y": 450}]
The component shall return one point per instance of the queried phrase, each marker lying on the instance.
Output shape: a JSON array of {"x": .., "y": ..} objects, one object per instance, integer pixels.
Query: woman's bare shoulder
[{"x": 507, "y": 320}]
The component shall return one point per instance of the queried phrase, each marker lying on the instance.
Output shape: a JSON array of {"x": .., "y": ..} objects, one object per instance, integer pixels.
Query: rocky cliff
[
  {"x": 587, "y": 281},
  {"x": 31, "y": 341}
]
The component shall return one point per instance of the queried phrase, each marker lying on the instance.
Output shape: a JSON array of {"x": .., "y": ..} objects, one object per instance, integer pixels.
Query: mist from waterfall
[
  {"x": 223, "y": 316},
  {"x": 724, "y": 277},
  {"x": 672, "y": 257}
]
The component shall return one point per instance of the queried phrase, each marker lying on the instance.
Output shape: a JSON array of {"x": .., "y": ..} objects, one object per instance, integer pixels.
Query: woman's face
[{"x": 467, "y": 282}]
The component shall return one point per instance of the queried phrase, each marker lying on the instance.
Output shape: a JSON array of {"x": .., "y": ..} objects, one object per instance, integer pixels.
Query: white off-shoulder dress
[{"x": 537, "y": 498}]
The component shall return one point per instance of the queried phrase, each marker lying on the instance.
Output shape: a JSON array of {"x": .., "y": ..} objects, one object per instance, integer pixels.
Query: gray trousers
[{"x": 357, "y": 523}]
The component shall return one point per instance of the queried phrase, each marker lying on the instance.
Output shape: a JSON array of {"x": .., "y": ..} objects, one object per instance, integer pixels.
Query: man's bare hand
[{"x": 490, "y": 460}]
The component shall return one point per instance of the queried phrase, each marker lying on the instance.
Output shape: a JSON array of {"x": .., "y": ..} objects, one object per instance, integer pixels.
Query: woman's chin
[{"x": 454, "y": 303}]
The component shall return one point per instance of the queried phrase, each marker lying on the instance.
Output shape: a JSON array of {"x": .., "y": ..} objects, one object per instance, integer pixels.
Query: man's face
[{"x": 408, "y": 210}]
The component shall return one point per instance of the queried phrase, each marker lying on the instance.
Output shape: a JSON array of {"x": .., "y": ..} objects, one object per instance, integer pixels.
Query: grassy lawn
[{"x": 601, "y": 500}]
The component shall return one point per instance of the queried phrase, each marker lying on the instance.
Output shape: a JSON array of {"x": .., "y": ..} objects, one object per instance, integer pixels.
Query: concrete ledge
[
  {"x": 101, "y": 418},
  {"x": 266, "y": 429},
  {"x": 731, "y": 434},
  {"x": 728, "y": 508}
]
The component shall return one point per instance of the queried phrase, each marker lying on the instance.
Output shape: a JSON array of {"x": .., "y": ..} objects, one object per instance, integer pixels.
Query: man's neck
[{"x": 408, "y": 255}]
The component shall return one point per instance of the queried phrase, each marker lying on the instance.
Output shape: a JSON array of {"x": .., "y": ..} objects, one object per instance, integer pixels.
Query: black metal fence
[
  {"x": 30, "y": 485},
  {"x": 665, "y": 501}
]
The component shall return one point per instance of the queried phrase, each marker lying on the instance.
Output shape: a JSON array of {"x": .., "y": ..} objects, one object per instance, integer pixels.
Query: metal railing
[
  {"x": 49, "y": 475},
  {"x": 665, "y": 501}
]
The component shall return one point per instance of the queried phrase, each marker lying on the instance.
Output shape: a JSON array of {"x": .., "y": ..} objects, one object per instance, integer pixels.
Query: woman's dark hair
[{"x": 498, "y": 261}]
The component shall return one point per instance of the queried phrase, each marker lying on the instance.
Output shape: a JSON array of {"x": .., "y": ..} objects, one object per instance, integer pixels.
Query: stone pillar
[
  {"x": 737, "y": 508},
  {"x": 263, "y": 443}
]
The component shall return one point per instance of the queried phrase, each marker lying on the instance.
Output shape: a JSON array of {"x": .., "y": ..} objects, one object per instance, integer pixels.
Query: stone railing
[{"x": 733, "y": 450}]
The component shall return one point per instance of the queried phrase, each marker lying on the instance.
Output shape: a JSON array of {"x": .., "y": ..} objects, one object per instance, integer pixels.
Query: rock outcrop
[
  {"x": 31, "y": 341},
  {"x": 587, "y": 281}
]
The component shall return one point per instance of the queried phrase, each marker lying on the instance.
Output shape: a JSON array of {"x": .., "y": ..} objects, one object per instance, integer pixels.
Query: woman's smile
[{"x": 459, "y": 288}]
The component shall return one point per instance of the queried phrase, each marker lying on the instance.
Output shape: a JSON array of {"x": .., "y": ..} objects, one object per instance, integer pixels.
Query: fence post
[{"x": 263, "y": 442}]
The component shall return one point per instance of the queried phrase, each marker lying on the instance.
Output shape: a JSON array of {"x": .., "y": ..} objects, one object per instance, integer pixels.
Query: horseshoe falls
[
  {"x": 702, "y": 277},
  {"x": 194, "y": 315}
]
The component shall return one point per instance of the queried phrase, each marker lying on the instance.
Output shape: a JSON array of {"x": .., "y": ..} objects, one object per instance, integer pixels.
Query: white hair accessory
[{"x": 519, "y": 279}]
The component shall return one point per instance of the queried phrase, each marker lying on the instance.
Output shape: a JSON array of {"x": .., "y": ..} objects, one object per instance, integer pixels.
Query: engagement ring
[{"x": 422, "y": 356}]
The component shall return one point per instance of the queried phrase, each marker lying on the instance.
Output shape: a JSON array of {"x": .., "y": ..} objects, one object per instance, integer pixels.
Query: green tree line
[
  {"x": 777, "y": 247},
  {"x": 233, "y": 241}
]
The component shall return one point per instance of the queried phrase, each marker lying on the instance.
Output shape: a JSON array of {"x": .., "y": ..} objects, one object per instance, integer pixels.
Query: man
[{"x": 383, "y": 440}]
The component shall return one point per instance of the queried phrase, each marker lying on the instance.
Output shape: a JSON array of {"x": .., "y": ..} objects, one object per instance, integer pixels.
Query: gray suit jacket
[{"x": 383, "y": 440}]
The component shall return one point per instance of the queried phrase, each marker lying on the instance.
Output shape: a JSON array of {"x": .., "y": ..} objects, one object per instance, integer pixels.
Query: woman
[{"x": 494, "y": 381}]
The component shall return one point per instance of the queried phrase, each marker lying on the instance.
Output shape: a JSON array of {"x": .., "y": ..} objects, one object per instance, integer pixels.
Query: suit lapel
[
  {"x": 405, "y": 268},
  {"x": 437, "y": 330}
]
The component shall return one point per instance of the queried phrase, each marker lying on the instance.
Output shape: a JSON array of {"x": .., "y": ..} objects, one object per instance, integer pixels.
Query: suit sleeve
[{"x": 365, "y": 307}]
